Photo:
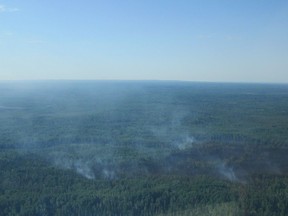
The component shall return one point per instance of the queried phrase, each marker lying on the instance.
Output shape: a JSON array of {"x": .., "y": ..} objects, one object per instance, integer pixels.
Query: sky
[{"x": 189, "y": 40}]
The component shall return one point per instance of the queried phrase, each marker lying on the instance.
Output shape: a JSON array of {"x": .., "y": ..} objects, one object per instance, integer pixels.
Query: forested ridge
[{"x": 143, "y": 148}]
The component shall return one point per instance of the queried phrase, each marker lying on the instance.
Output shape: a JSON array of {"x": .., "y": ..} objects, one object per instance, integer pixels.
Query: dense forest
[{"x": 143, "y": 148}]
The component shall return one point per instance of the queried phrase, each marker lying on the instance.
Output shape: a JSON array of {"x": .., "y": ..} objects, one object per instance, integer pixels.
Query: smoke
[
  {"x": 78, "y": 165},
  {"x": 173, "y": 132},
  {"x": 112, "y": 159},
  {"x": 226, "y": 171},
  {"x": 88, "y": 169},
  {"x": 108, "y": 174},
  {"x": 185, "y": 143},
  {"x": 84, "y": 169},
  {"x": 105, "y": 129}
]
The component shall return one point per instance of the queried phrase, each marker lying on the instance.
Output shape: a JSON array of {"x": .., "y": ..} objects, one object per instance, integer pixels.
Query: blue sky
[{"x": 193, "y": 40}]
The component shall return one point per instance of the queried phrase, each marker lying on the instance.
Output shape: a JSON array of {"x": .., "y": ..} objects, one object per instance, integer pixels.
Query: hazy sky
[{"x": 197, "y": 40}]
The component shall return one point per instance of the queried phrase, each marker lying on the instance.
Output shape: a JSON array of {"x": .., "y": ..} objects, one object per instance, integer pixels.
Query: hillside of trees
[{"x": 143, "y": 148}]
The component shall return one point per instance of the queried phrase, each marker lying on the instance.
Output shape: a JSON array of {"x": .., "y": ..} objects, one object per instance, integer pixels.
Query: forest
[{"x": 143, "y": 148}]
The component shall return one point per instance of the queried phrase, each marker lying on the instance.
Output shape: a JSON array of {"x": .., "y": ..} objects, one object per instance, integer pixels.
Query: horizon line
[{"x": 140, "y": 80}]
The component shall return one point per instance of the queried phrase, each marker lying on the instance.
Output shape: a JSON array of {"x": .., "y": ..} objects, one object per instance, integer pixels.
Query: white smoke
[
  {"x": 84, "y": 169},
  {"x": 108, "y": 173},
  {"x": 226, "y": 171},
  {"x": 185, "y": 143},
  {"x": 81, "y": 167}
]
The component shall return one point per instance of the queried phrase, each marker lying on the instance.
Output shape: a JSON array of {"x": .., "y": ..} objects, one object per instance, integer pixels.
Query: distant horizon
[{"x": 143, "y": 80}]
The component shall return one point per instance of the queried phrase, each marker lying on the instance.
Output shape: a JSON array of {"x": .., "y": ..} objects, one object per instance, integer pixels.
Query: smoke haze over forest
[
  {"x": 110, "y": 146},
  {"x": 109, "y": 129}
]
